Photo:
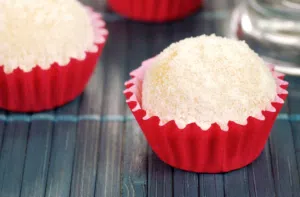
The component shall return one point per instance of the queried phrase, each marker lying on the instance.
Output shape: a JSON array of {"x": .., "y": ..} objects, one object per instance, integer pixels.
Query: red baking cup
[
  {"x": 194, "y": 149},
  {"x": 40, "y": 89},
  {"x": 155, "y": 10}
]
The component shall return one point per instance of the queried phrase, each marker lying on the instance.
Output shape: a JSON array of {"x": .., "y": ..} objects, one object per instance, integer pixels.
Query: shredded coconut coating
[
  {"x": 41, "y": 32},
  {"x": 206, "y": 80}
]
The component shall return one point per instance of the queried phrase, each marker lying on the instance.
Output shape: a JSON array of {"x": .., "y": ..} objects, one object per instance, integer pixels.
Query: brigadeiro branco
[
  {"x": 48, "y": 51},
  {"x": 206, "y": 104}
]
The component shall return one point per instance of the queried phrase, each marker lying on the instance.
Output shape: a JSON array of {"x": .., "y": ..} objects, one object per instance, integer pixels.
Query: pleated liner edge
[
  {"x": 194, "y": 149},
  {"x": 40, "y": 89}
]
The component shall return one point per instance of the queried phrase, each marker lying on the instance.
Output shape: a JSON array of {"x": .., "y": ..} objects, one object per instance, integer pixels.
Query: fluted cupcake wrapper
[
  {"x": 198, "y": 150},
  {"x": 154, "y": 10},
  {"x": 40, "y": 89}
]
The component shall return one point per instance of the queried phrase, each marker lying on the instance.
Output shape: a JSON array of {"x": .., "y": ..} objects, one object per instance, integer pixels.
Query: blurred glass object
[{"x": 272, "y": 28}]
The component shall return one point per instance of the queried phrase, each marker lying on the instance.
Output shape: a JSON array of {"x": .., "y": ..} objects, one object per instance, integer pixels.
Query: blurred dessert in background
[{"x": 153, "y": 10}]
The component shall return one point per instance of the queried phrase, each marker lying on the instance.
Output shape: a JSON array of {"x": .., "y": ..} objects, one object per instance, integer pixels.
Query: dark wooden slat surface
[
  {"x": 185, "y": 183},
  {"x": 12, "y": 158},
  {"x": 211, "y": 185},
  {"x": 2, "y": 129},
  {"x": 283, "y": 159},
  {"x": 37, "y": 158},
  {"x": 62, "y": 154},
  {"x": 160, "y": 177},
  {"x": 236, "y": 183},
  {"x": 294, "y": 108},
  {"x": 111, "y": 134},
  {"x": 87, "y": 139},
  {"x": 93, "y": 147},
  {"x": 135, "y": 166},
  {"x": 260, "y": 176},
  {"x": 135, "y": 160}
]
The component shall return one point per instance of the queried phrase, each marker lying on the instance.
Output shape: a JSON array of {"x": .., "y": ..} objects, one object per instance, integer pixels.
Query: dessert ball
[
  {"x": 206, "y": 80},
  {"x": 48, "y": 52},
  {"x": 35, "y": 32}
]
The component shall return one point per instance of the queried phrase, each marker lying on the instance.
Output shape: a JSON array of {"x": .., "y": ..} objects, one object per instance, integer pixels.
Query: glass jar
[{"x": 272, "y": 28}]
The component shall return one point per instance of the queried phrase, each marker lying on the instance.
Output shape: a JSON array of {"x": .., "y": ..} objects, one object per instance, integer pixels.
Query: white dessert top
[
  {"x": 206, "y": 80},
  {"x": 41, "y": 32}
]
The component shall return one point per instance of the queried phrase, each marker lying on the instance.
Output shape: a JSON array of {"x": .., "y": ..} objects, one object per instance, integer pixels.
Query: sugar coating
[
  {"x": 206, "y": 80},
  {"x": 41, "y": 32}
]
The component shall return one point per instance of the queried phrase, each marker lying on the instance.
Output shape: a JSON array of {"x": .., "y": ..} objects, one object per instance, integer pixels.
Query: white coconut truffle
[
  {"x": 206, "y": 80},
  {"x": 41, "y": 32}
]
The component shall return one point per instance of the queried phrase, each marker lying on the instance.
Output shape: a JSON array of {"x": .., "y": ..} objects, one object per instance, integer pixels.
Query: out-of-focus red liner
[{"x": 155, "y": 10}]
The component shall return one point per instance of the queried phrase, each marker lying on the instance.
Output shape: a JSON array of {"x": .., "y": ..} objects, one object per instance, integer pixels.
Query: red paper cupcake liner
[
  {"x": 209, "y": 151},
  {"x": 40, "y": 89},
  {"x": 154, "y": 10}
]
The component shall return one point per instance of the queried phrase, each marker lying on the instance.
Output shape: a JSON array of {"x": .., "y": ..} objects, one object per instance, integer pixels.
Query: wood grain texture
[
  {"x": 260, "y": 176},
  {"x": 3, "y": 126},
  {"x": 283, "y": 159},
  {"x": 135, "y": 161},
  {"x": 111, "y": 135},
  {"x": 12, "y": 158},
  {"x": 87, "y": 138},
  {"x": 294, "y": 108},
  {"x": 2, "y": 129},
  {"x": 84, "y": 167},
  {"x": 62, "y": 154},
  {"x": 236, "y": 183},
  {"x": 91, "y": 98},
  {"x": 37, "y": 159},
  {"x": 160, "y": 177},
  {"x": 185, "y": 184},
  {"x": 211, "y": 185},
  {"x": 135, "y": 164}
]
